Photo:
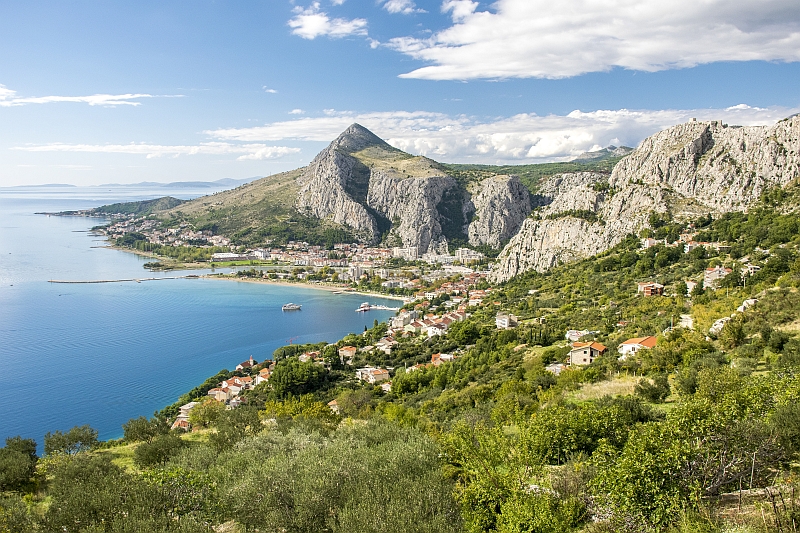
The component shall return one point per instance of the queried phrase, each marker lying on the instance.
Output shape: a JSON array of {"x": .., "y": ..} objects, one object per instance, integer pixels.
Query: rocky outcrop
[
  {"x": 411, "y": 206},
  {"x": 501, "y": 204},
  {"x": 361, "y": 182},
  {"x": 328, "y": 183},
  {"x": 692, "y": 168},
  {"x": 722, "y": 167}
]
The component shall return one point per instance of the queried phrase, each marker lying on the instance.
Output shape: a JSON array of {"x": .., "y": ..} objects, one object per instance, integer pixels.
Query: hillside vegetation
[{"x": 699, "y": 434}]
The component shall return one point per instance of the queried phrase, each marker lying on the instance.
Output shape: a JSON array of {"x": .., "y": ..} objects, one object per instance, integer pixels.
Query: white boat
[
  {"x": 291, "y": 307},
  {"x": 364, "y": 307}
]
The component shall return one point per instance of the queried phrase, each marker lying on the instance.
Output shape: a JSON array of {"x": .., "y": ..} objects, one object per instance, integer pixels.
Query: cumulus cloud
[
  {"x": 247, "y": 151},
  {"x": 310, "y": 23},
  {"x": 9, "y": 98},
  {"x": 523, "y": 138},
  {"x": 268, "y": 90},
  {"x": 405, "y": 7},
  {"x": 546, "y": 39},
  {"x": 297, "y": 112}
]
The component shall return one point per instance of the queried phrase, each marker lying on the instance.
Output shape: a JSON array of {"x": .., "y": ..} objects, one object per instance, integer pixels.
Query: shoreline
[
  {"x": 221, "y": 276},
  {"x": 302, "y": 285}
]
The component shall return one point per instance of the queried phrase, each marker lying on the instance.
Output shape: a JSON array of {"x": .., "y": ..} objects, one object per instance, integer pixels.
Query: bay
[{"x": 100, "y": 354}]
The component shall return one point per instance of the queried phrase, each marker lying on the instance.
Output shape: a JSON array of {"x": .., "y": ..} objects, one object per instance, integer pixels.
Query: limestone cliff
[
  {"x": 501, "y": 204},
  {"x": 330, "y": 185},
  {"x": 381, "y": 192},
  {"x": 686, "y": 170},
  {"x": 411, "y": 206}
]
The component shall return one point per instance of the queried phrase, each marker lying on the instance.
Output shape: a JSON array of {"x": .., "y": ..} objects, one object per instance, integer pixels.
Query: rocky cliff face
[
  {"x": 361, "y": 182},
  {"x": 323, "y": 193},
  {"x": 692, "y": 168},
  {"x": 411, "y": 206},
  {"x": 501, "y": 204}
]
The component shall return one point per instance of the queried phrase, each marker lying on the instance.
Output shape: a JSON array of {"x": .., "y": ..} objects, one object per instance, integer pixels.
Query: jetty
[
  {"x": 137, "y": 280},
  {"x": 369, "y": 307}
]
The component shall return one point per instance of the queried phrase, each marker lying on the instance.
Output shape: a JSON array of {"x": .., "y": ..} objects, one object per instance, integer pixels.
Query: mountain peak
[{"x": 356, "y": 138}]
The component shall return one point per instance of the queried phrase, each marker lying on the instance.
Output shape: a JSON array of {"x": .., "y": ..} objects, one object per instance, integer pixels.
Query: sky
[{"x": 95, "y": 92}]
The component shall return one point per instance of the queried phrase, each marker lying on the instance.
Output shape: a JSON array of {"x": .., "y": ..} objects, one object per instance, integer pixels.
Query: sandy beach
[{"x": 302, "y": 285}]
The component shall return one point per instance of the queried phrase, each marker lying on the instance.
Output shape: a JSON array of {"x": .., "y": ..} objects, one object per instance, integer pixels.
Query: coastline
[
  {"x": 300, "y": 284},
  {"x": 303, "y": 285}
]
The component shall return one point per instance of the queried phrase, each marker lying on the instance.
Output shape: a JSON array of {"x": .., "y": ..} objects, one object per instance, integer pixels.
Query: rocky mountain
[
  {"x": 686, "y": 170},
  {"x": 373, "y": 192},
  {"x": 603, "y": 153}
]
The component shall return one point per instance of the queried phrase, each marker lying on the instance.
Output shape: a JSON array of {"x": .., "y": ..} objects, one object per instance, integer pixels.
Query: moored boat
[{"x": 291, "y": 307}]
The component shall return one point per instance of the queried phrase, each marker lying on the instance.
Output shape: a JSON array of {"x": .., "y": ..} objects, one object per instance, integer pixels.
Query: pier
[
  {"x": 370, "y": 307},
  {"x": 137, "y": 280}
]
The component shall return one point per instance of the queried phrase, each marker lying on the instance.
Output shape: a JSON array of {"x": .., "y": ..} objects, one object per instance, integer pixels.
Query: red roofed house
[
  {"x": 714, "y": 274},
  {"x": 346, "y": 353},
  {"x": 584, "y": 353},
  {"x": 247, "y": 364},
  {"x": 631, "y": 346},
  {"x": 650, "y": 288}
]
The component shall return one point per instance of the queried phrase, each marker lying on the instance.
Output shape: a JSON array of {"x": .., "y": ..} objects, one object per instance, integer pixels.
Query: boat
[
  {"x": 363, "y": 307},
  {"x": 291, "y": 307}
]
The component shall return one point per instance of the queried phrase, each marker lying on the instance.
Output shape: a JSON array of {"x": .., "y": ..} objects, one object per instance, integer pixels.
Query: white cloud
[
  {"x": 523, "y": 138},
  {"x": 546, "y": 39},
  {"x": 297, "y": 112},
  {"x": 405, "y": 7},
  {"x": 337, "y": 2},
  {"x": 247, "y": 151},
  {"x": 9, "y": 98},
  {"x": 268, "y": 90},
  {"x": 310, "y": 23}
]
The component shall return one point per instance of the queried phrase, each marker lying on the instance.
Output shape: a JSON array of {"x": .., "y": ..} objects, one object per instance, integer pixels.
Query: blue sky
[{"x": 98, "y": 92}]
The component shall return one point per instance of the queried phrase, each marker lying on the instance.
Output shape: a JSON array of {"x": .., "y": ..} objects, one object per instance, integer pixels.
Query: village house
[
  {"x": 309, "y": 356},
  {"x": 631, "y": 346},
  {"x": 505, "y": 321},
  {"x": 333, "y": 405},
  {"x": 713, "y": 274},
  {"x": 372, "y": 375},
  {"x": 584, "y": 353},
  {"x": 347, "y": 353},
  {"x": 263, "y": 375},
  {"x": 247, "y": 364},
  {"x": 182, "y": 421},
  {"x": 386, "y": 345},
  {"x": 650, "y": 288}
]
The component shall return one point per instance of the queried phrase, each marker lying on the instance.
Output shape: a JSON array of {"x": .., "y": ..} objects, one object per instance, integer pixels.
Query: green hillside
[
  {"x": 256, "y": 213},
  {"x": 141, "y": 208},
  {"x": 699, "y": 434}
]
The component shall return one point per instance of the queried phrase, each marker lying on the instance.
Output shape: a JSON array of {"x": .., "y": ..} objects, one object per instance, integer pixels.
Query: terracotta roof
[
  {"x": 647, "y": 342},
  {"x": 596, "y": 345}
]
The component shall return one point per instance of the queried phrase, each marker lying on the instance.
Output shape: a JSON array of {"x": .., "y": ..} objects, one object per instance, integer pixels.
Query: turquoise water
[{"x": 101, "y": 354}]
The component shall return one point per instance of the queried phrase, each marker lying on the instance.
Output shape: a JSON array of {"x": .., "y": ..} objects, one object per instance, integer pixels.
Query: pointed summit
[{"x": 357, "y": 138}]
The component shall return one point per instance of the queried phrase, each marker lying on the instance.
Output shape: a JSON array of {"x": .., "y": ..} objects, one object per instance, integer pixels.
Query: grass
[
  {"x": 122, "y": 456},
  {"x": 619, "y": 386}
]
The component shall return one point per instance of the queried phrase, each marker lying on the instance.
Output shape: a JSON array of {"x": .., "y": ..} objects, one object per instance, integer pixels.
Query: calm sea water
[{"x": 101, "y": 354}]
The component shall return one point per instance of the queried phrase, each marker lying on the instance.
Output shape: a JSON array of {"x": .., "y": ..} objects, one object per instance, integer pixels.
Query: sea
[{"x": 103, "y": 353}]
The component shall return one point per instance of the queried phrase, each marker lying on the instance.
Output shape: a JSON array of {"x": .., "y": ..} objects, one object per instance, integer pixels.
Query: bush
[
  {"x": 655, "y": 391},
  {"x": 157, "y": 451}
]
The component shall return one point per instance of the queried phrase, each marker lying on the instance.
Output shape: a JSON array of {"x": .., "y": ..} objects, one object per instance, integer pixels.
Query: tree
[
  {"x": 17, "y": 463},
  {"x": 293, "y": 378},
  {"x": 698, "y": 290},
  {"x": 76, "y": 440},
  {"x": 235, "y": 425},
  {"x": 157, "y": 451},
  {"x": 142, "y": 429},
  {"x": 206, "y": 413},
  {"x": 655, "y": 391}
]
